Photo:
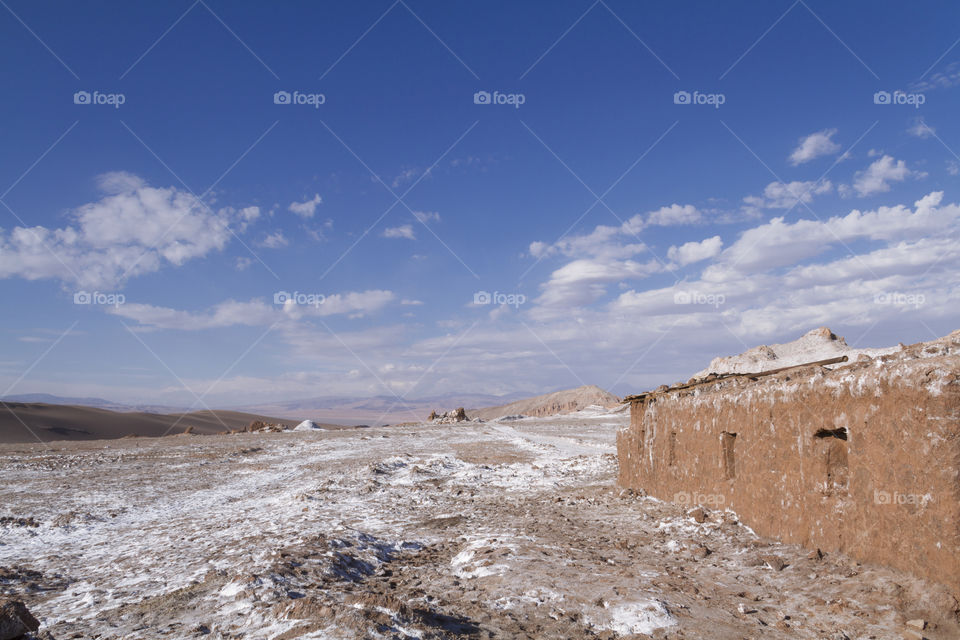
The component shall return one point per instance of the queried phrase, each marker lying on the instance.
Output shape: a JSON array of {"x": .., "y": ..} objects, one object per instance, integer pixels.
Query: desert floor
[{"x": 500, "y": 529}]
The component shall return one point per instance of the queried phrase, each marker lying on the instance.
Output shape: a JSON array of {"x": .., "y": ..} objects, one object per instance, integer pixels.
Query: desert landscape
[
  {"x": 456, "y": 527},
  {"x": 425, "y": 320}
]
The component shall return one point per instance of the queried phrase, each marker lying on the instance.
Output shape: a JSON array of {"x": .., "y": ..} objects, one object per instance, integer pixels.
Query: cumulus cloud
[
  {"x": 877, "y": 177},
  {"x": 780, "y": 195},
  {"x": 772, "y": 282},
  {"x": 307, "y": 208},
  {"x": 605, "y": 240},
  {"x": 814, "y": 146},
  {"x": 691, "y": 252},
  {"x": 275, "y": 240},
  {"x": 675, "y": 214},
  {"x": 131, "y": 230},
  {"x": 254, "y": 312},
  {"x": 778, "y": 243},
  {"x": 403, "y": 231},
  {"x": 609, "y": 254}
]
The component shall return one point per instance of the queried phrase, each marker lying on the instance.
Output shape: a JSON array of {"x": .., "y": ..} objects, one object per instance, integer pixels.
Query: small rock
[
  {"x": 698, "y": 515},
  {"x": 911, "y": 634},
  {"x": 774, "y": 562},
  {"x": 753, "y": 560},
  {"x": 700, "y": 551},
  {"x": 917, "y": 623},
  {"x": 745, "y": 610},
  {"x": 15, "y": 620},
  {"x": 816, "y": 554}
]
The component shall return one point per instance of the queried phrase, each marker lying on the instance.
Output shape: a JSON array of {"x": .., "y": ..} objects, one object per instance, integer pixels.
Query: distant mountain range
[
  {"x": 43, "y": 416},
  {"x": 332, "y": 409},
  {"x": 345, "y": 410},
  {"x": 96, "y": 403},
  {"x": 377, "y": 409}
]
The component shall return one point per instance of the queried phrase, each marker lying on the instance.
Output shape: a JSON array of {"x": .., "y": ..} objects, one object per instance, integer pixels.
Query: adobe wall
[{"x": 772, "y": 449}]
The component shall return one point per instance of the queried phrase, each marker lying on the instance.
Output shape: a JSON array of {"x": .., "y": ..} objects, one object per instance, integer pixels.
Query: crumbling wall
[{"x": 864, "y": 459}]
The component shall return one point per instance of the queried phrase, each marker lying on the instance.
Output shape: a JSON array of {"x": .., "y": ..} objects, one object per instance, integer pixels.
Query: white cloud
[
  {"x": 605, "y": 241},
  {"x": 814, "y": 146},
  {"x": 411, "y": 303},
  {"x": 275, "y": 240},
  {"x": 949, "y": 77},
  {"x": 675, "y": 214},
  {"x": 777, "y": 243},
  {"x": 132, "y": 230},
  {"x": 770, "y": 287},
  {"x": 426, "y": 216},
  {"x": 779, "y": 195},
  {"x": 403, "y": 231},
  {"x": 606, "y": 256},
  {"x": 691, "y": 252},
  {"x": 953, "y": 167},
  {"x": 582, "y": 282},
  {"x": 407, "y": 175},
  {"x": 921, "y": 129},
  {"x": 307, "y": 208},
  {"x": 877, "y": 177},
  {"x": 252, "y": 313},
  {"x": 243, "y": 263}
]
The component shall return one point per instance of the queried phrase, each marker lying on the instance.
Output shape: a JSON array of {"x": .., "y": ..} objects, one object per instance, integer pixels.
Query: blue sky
[{"x": 679, "y": 181}]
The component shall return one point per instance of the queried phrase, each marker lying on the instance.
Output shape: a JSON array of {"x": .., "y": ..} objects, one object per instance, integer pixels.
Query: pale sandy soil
[{"x": 495, "y": 530}]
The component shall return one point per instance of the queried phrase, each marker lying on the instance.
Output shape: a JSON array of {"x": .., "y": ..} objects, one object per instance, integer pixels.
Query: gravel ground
[{"x": 486, "y": 530}]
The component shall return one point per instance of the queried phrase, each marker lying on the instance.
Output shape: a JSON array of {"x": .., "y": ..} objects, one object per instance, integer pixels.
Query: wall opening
[
  {"x": 831, "y": 446},
  {"x": 672, "y": 449},
  {"x": 840, "y": 434},
  {"x": 727, "y": 441}
]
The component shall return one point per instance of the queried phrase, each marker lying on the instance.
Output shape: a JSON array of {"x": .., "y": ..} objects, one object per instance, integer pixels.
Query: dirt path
[{"x": 484, "y": 530}]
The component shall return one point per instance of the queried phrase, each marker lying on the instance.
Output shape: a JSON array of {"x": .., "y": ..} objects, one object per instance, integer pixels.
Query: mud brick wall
[{"x": 864, "y": 459}]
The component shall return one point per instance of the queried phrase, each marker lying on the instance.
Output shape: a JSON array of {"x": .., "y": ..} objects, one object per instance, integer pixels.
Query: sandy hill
[
  {"x": 819, "y": 344},
  {"x": 68, "y": 422},
  {"x": 549, "y": 404}
]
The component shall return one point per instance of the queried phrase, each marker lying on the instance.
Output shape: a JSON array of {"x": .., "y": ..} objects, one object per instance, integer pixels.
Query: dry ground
[{"x": 495, "y": 530}]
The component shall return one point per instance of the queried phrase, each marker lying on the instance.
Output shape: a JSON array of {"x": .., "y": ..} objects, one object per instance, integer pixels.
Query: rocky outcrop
[
  {"x": 818, "y": 344},
  {"x": 15, "y": 620},
  {"x": 551, "y": 404},
  {"x": 259, "y": 426},
  {"x": 450, "y": 417}
]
